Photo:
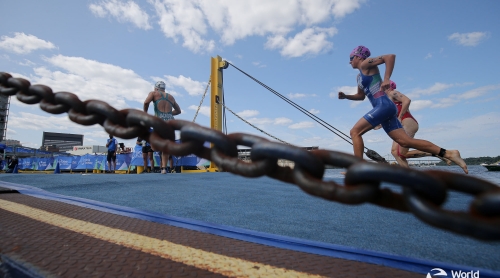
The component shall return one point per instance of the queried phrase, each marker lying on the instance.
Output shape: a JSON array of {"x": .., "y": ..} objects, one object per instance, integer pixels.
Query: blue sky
[{"x": 116, "y": 50}]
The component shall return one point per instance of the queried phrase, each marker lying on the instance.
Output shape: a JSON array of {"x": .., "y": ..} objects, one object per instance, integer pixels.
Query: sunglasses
[{"x": 351, "y": 58}]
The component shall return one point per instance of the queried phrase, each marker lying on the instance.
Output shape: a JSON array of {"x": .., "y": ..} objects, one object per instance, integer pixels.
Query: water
[{"x": 474, "y": 170}]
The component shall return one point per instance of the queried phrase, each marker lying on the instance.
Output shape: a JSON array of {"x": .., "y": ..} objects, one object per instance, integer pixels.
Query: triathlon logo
[{"x": 438, "y": 272}]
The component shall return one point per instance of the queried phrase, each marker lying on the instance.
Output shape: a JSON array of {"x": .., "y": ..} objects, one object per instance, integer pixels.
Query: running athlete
[
  {"x": 384, "y": 112},
  {"x": 410, "y": 125},
  {"x": 165, "y": 108}
]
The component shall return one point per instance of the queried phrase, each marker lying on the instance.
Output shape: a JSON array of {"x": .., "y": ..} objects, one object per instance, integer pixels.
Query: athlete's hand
[
  {"x": 386, "y": 84},
  {"x": 341, "y": 95},
  {"x": 377, "y": 127}
]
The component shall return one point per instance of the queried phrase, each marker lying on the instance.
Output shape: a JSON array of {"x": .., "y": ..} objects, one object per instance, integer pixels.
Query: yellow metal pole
[{"x": 217, "y": 65}]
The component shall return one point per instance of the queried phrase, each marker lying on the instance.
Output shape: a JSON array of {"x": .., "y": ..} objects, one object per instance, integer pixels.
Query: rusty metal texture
[{"x": 423, "y": 192}]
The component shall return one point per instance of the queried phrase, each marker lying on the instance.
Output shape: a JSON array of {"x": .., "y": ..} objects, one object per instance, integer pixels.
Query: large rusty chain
[{"x": 423, "y": 192}]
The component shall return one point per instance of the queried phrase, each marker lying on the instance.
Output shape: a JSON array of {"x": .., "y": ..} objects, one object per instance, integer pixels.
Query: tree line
[{"x": 476, "y": 160}]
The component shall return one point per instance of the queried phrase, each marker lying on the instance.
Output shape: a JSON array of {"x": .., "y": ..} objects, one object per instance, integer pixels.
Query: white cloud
[
  {"x": 462, "y": 132},
  {"x": 30, "y": 121},
  {"x": 123, "y": 12},
  {"x": 314, "y": 111},
  {"x": 479, "y": 92},
  {"x": 428, "y": 56},
  {"x": 420, "y": 104},
  {"x": 267, "y": 121},
  {"x": 468, "y": 39},
  {"x": 193, "y": 87},
  {"x": 348, "y": 90},
  {"x": 260, "y": 121},
  {"x": 259, "y": 64},
  {"x": 309, "y": 41},
  {"x": 192, "y": 20},
  {"x": 204, "y": 110},
  {"x": 302, "y": 125},
  {"x": 179, "y": 18},
  {"x": 90, "y": 79},
  {"x": 434, "y": 89},
  {"x": 11, "y": 131},
  {"x": 24, "y": 44},
  {"x": 282, "y": 121},
  {"x": 453, "y": 99},
  {"x": 296, "y": 95},
  {"x": 248, "y": 113},
  {"x": 299, "y": 95},
  {"x": 342, "y": 8}
]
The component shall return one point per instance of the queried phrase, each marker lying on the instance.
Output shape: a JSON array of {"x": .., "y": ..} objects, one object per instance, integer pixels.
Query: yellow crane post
[{"x": 217, "y": 65}]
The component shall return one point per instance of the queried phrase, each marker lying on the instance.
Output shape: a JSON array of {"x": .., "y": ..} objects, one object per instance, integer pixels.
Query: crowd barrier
[{"x": 98, "y": 162}]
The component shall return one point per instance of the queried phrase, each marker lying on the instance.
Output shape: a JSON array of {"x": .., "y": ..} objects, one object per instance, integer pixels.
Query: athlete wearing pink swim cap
[
  {"x": 372, "y": 86},
  {"x": 393, "y": 85},
  {"x": 410, "y": 126},
  {"x": 361, "y": 51}
]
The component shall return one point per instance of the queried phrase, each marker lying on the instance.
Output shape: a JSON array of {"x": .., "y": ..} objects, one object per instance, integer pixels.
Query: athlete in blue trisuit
[
  {"x": 384, "y": 112},
  {"x": 165, "y": 108}
]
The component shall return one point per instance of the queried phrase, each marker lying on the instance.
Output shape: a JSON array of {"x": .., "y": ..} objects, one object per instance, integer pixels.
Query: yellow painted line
[{"x": 228, "y": 266}]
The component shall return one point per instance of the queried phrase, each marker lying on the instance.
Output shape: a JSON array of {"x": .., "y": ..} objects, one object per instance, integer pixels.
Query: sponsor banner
[
  {"x": 74, "y": 162},
  {"x": 137, "y": 156},
  {"x": 24, "y": 150},
  {"x": 137, "y": 160},
  {"x": 190, "y": 160},
  {"x": 65, "y": 162},
  {"x": 86, "y": 162},
  {"x": 44, "y": 163},
  {"x": 90, "y": 161},
  {"x": 100, "y": 162},
  {"x": 156, "y": 159},
  {"x": 25, "y": 163},
  {"x": 123, "y": 161}
]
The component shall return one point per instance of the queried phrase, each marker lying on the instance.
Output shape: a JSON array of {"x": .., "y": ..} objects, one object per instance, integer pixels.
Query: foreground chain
[{"x": 423, "y": 192}]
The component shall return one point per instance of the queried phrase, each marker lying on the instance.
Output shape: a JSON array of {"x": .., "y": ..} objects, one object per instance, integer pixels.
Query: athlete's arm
[
  {"x": 147, "y": 102},
  {"x": 177, "y": 109},
  {"x": 371, "y": 63},
  {"x": 405, "y": 102},
  {"x": 360, "y": 95}
]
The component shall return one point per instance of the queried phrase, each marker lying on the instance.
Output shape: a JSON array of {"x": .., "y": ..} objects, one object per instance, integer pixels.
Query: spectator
[
  {"x": 147, "y": 152},
  {"x": 112, "y": 145},
  {"x": 12, "y": 164}
]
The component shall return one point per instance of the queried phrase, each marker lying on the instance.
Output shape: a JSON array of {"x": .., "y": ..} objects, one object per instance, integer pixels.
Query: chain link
[{"x": 423, "y": 192}]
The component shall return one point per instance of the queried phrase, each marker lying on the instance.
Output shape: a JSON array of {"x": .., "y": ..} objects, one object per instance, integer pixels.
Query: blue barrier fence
[{"x": 98, "y": 162}]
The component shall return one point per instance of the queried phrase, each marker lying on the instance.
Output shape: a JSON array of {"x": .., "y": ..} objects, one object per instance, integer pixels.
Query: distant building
[
  {"x": 51, "y": 148},
  {"x": 81, "y": 150},
  {"x": 4, "y": 115},
  {"x": 11, "y": 142},
  {"x": 63, "y": 141}
]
